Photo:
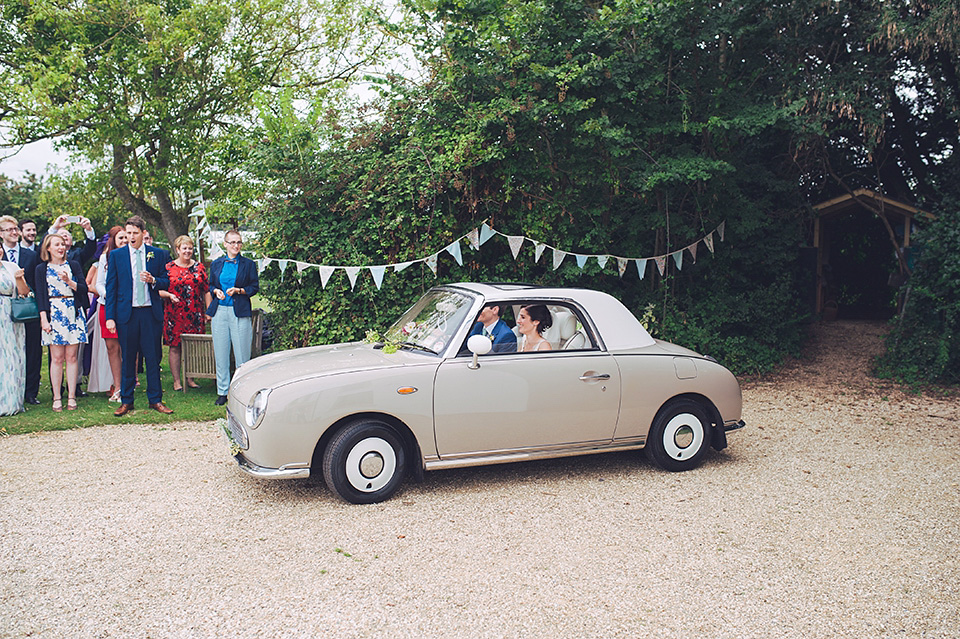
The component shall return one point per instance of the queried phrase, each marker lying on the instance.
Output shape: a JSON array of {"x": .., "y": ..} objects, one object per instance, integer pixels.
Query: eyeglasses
[
  {"x": 234, "y": 242},
  {"x": 8, "y": 229}
]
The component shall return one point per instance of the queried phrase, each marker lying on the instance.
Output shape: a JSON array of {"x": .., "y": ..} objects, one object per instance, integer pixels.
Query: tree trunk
[{"x": 166, "y": 219}]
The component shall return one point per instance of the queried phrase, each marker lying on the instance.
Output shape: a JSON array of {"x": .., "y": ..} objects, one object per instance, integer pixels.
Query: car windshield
[{"x": 430, "y": 324}]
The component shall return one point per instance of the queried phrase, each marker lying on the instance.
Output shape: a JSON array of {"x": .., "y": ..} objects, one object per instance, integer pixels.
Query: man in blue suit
[
  {"x": 490, "y": 324},
  {"x": 13, "y": 251},
  {"x": 136, "y": 274}
]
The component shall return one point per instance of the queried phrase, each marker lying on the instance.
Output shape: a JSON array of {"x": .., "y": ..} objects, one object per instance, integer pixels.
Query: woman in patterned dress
[
  {"x": 61, "y": 299},
  {"x": 13, "y": 356},
  {"x": 184, "y": 303}
]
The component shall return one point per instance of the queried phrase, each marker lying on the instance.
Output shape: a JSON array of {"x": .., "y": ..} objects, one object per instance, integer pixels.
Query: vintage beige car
[{"x": 431, "y": 395}]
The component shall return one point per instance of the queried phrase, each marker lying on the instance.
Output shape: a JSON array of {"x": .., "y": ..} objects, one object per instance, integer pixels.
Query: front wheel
[
  {"x": 679, "y": 437},
  {"x": 364, "y": 463}
]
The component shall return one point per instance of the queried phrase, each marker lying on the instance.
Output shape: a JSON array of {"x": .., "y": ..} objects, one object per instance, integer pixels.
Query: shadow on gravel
[{"x": 576, "y": 473}]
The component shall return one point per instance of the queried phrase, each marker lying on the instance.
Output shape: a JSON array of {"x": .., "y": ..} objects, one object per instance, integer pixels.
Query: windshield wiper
[{"x": 419, "y": 347}]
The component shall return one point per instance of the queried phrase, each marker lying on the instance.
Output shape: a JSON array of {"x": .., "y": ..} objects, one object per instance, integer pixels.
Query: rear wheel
[
  {"x": 680, "y": 436},
  {"x": 365, "y": 462}
]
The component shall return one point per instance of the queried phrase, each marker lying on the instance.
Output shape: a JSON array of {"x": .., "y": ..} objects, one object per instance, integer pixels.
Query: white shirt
[
  {"x": 135, "y": 269},
  {"x": 101, "y": 284},
  {"x": 91, "y": 234}
]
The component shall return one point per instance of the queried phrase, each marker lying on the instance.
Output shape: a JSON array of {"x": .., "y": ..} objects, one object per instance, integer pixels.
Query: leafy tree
[
  {"x": 86, "y": 194},
  {"x": 603, "y": 128},
  {"x": 19, "y": 199},
  {"x": 152, "y": 90}
]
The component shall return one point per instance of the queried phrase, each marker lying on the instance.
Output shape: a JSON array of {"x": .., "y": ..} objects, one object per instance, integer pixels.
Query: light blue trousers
[{"x": 228, "y": 329}]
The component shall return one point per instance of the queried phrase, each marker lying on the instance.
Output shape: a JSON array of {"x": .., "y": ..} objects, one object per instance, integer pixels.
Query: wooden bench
[{"x": 196, "y": 352}]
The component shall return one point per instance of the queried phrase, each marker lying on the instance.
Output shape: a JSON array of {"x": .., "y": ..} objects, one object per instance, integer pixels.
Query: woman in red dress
[{"x": 185, "y": 303}]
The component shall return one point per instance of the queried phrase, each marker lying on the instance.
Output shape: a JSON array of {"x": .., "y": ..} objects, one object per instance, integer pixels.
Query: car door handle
[{"x": 593, "y": 377}]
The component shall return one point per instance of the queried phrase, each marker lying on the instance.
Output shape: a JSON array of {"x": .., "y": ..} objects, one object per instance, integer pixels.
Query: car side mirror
[{"x": 478, "y": 345}]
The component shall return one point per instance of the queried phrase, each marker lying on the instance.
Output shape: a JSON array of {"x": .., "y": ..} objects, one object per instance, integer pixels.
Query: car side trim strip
[{"x": 503, "y": 458}]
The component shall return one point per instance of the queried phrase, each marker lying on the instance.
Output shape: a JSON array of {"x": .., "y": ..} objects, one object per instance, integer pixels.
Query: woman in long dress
[
  {"x": 110, "y": 339},
  {"x": 13, "y": 356},
  {"x": 185, "y": 303},
  {"x": 61, "y": 298}
]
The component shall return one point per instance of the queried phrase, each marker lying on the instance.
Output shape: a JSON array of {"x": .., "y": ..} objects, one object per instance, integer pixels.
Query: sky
[{"x": 38, "y": 158}]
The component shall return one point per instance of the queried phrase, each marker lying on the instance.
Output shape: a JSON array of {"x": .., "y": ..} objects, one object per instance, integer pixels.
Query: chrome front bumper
[{"x": 285, "y": 472}]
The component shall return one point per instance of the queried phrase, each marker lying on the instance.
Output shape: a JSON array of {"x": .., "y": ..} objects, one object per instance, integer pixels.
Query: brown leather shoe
[
  {"x": 123, "y": 410},
  {"x": 160, "y": 408}
]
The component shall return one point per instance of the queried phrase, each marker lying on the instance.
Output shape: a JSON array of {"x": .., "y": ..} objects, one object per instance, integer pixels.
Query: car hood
[{"x": 288, "y": 366}]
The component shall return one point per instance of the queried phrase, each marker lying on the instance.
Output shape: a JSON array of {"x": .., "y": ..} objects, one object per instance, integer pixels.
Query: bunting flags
[
  {"x": 454, "y": 250},
  {"x": 516, "y": 241},
  {"x": 558, "y": 256},
  {"x": 377, "y": 272},
  {"x": 477, "y": 238},
  {"x": 352, "y": 272}
]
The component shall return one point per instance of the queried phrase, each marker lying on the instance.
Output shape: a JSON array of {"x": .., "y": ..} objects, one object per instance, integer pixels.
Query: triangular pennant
[
  {"x": 261, "y": 264},
  {"x": 708, "y": 240},
  {"x": 432, "y": 263},
  {"x": 538, "y": 250},
  {"x": 602, "y": 260},
  {"x": 722, "y": 228},
  {"x": 454, "y": 250},
  {"x": 377, "y": 272},
  {"x": 661, "y": 263},
  {"x": 558, "y": 256},
  {"x": 302, "y": 266},
  {"x": 642, "y": 267},
  {"x": 325, "y": 273},
  {"x": 581, "y": 260},
  {"x": 399, "y": 267},
  {"x": 678, "y": 258},
  {"x": 352, "y": 272},
  {"x": 486, "y": 233},
  {"x": 283, "y": 267},
  {"x": 621, "y": 265},
  {"x": 516, "y": 241},
  {"x": 474, "y": 238}
]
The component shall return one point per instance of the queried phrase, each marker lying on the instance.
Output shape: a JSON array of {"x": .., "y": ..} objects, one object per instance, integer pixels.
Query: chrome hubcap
[
  {"x": 683, "y": 437},
  {"x": 371, "y": 465}
]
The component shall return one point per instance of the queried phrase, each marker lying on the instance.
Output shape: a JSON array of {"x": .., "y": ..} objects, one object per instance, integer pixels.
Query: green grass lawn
[{"x": 194, "y": 405}]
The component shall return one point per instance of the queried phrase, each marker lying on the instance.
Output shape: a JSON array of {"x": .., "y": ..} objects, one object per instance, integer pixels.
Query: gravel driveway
[{"x": 833, "y": 514}]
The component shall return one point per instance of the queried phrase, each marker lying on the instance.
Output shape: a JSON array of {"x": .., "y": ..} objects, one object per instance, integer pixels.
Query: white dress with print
[{"x": 67, "y": 327}]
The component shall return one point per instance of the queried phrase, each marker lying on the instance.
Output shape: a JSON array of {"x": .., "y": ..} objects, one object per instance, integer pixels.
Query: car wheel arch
[{"x": 410, "y": 444}]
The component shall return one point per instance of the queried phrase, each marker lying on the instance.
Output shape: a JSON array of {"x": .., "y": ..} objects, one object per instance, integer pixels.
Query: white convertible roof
[{"x": 618, "y": 327}]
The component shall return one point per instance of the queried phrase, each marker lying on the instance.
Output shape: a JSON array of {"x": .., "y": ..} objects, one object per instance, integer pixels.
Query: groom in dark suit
[
  {"x": 136, "y": 274},
  {"x": 490, "y": 325},
  {"x": 13, "y": 251}
]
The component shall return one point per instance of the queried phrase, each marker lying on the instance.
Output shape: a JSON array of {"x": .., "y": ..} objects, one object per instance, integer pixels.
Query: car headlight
[{"x": 256, "y": 407}]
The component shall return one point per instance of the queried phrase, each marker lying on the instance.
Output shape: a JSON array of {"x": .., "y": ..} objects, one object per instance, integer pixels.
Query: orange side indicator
[{"x": 407, "y": 390}]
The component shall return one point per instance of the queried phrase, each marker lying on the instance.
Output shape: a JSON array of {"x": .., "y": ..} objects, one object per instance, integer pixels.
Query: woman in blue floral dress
[
  {"x": 62, "y": 319},
  {"x": 13, "y": 358}
]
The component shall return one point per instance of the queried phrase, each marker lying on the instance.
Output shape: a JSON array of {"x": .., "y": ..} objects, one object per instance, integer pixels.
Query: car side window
[
  {"x": 501, "y": 330},
  {"x": 567, "y": 331}
]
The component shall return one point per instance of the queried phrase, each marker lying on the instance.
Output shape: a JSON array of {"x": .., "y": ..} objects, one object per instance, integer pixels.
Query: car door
[{"x": 525, "y": 401}]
